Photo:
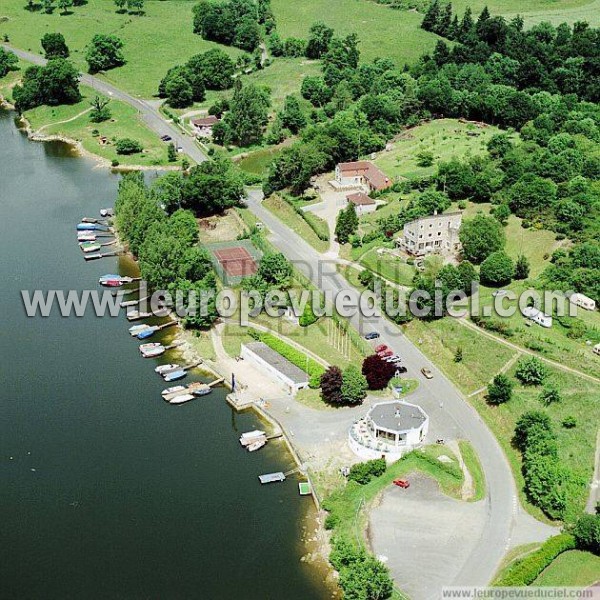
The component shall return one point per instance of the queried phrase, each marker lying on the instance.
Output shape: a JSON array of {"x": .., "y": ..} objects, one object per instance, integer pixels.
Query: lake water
[{"x": 106, "y": 491}]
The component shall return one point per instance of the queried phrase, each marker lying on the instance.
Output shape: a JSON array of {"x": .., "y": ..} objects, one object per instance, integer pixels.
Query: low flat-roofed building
[
  {"x": 276, "y": 366},
  {"x": 436, "y": 234},
  {"x": 389, "y": 429},
  {"x": 203, "y": 126}
]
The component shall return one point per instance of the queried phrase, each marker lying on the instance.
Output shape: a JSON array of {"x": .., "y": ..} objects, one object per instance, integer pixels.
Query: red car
[
  {"x": 386, "y": 353},
  {"x": 381, "y": 348},
  {"x": 403, "y": 483}
]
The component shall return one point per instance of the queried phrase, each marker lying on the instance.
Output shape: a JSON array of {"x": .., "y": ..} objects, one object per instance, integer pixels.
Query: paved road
[
  {"x": 148, "y": 112},
  {"x": 501, "y": 504}
]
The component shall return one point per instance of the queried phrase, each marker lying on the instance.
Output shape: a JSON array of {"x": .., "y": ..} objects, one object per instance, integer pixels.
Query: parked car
[
  {"x": 386, "y": 353},
  {"x": 427, "y": 373},
  {"x": 402, "y": 483},
  {"x": 394, "y": 358},
  {"x": 381, "y": 348},
  {"x": 400, "y": 368},
  {"x": 372, "y": 335},
  {"x": 166, "y": 138}
]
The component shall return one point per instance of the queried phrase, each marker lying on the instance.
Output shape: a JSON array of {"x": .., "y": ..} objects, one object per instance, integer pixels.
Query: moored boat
[
  {"x": 172, "y": 391},
  {"x": 86, "y": 236},
  {"x": 256, "y": 445},
  {"x": 181, "y": 399},
  {"x": 147, "y": 332},
  {"x": 106, "y": 212},
  {"x": 152, "y": 349},
  {"x": 162, "y": 369},
  {"x": 251, "y": 436},
  {"x": 83, "y": 226},
  {"x": 175, "y": 375},
  {"x": 89, "y": 246},
  {"x": 135, "y": 329},
  {"x": 134, "y": 315},
  {"x": 199, "y": 389},
  {"x": 114, "y": 280}
]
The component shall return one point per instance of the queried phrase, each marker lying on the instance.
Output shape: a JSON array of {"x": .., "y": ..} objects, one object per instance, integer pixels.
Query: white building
[
  {"x": 203, "y": 126},
  {"x": 390, "y": 429},
  {"x": 360, "y": 174},
  {"x": 537, "y": 316},
  {"x": 583, "y": 301},
  {"x": 275, "y": 366},
  {"x": 363, "y": 203},
  {"x": 435, "y": 234}
]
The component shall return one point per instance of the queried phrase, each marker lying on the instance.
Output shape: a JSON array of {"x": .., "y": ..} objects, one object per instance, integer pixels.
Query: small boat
[
  {"x": 152, "y": 349},
  {"x": 134, "y": 315},
  {"x": 147, "y": 332},
  {"x": 90, "y": 246},
  {"x": 135, "y": 329},
  {"x": 199, "y": 389},
  {"x": 114, "y": 280},
  {"x": 86, "y": 236},
  {"x": 106, "y": 212},
  {"x": 161, "y": 369},
  {"x": 91, "y": 227},
  {"x": 175, "y": 375},
  {"x": 172, "y": 391},
  {"x": 251, "y": 436},
  {"x": 256, "y": 445},
  {"x": 181, "y": 399}
]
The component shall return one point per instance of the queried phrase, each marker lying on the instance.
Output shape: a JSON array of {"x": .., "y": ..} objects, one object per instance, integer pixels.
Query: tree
[
  {"x": 100, "y": 111},
  {"x": 497, "y": 269},
  {"x": 214, "y": 68},
  {"x": 120, "y": 4},
  {"x": 458, "y": 355},
  {"x": 500, "y": 390},
  {"x": 354, "y": 385},
  {"x": 171, "y": 152},
  {"x": 431, "y": 17},
  {"x": 179, "y": 92},
  {"x": 530, "y": 425},
  {"x": 364, "y": 472},
  {"x": 377, "y": 372},
  {"x": 64, "y": 5},
  {"x": 104, "y": 52},
  {"x": 48, "y": 6},
  {"x": 135, "y": 6},
  {"x": 211, "y": 187},
  {"x": 480, "y": 236},
  {"x": 346, "y": 224},
  {"x": 319, "y": 37},
  {"x": 550, "y": 394},
  {"x": 275, "y": 269},
  {"x": 501, "y": 213},
  {"x": 366, "y": 580},
  {"x": 331, "y": 385},
  {"x": 522, "y": 267},
  {"x": 531, "y": 371},
  {"x": 8, "y": 61},
  {"x": 315, "y": 90},
  {"x": 292, "y": 117},
  {"x": 128, "y": 146},
  {"x": 530, "y": 195},
  {"x": 248, "y": 114},
  {"x": 247, "y": 34},
  {"x": 54, "y": 46},
  {"x": 587, "y": 533}
]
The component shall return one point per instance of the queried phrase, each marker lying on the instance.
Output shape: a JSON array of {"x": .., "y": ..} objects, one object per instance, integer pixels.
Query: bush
[
  {"x": 526, "y": 570},
  {"x": 331, "y": 521},
  {"x": 531, "y": 371},
  {"x": 569, "y": 422},
  {"x": 128, "y": 146},
  {"x": 587, "y": 533},
  {"x": 500, "y": 390},
  {"x": 364, "y": 472},
  {"x": 377, "y": 371}
]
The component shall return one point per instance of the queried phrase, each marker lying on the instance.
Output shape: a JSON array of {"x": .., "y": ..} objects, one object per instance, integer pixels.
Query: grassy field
[
  {"x": 557, "y": 12},
  {"x": 482, "y": 358},
  {"x": 153, "y": 42},
  {"x": 73, "y": 121},
  {"x": 382, "y": 31},
  {"x": 201, "y": 342},
  {"x": 572, "y": 568},
  {"x": 388, "y": 266},
  {"x": 473, "y": 465},
  {"x": 444, "y": 138},
  {"x": 283, "y": 211},
  {"x": 258, "y": 161}
]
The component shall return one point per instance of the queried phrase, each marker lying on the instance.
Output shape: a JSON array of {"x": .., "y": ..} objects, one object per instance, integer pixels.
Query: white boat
[
  {"x": 251, "y": 437},
  {"x": 135, "y": 315},
  {"x": 85, "y": 236},
  {"x": 88, "y": 247},
  {"x": 135, "y": 329},
  {"x": 172, "y": 391},
  {"x": 200, "y": 389},
  {"x": 256, "y": 445},
  {"x": 153, "y": 349},
  {"x": 106, "y": 212},
  {"x": 181, "y": 399},
  {"x": 162, "y": 369}
]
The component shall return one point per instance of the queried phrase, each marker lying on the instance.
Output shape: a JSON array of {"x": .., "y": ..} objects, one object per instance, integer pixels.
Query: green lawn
[
  {"x": 283, "y": 211},
  {"x": 473, "y": 465},
  {"x": 9, "y": 80},
  {"x": 482, "y": 358},
  {"x": 572, "y": 568},
  {"x": 202, "y": 344},
  {"x": 258, "y": 161},
  {"x": 125, "y": 122},
  {"x": 153, "y": 42},
  {"x": 389, "y": 267},
  {"x": 444, "y": 138},
  {"x": 382, "y": 31}
]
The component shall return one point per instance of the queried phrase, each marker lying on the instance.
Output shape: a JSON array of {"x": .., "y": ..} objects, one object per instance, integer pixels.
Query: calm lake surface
[{"x": 105, "y": 490}]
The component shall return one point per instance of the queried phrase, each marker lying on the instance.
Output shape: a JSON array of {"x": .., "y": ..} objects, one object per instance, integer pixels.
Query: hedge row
[
  {"x": 296, "y": 357},
  {"x": 526, "y": 570},
  {"x": 318, "y": 225}
]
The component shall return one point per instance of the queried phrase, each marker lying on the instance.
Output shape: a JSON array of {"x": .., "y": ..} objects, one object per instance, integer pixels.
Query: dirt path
[
  {"x": 594, "y": 497},
  {"x": 83, "y": 112},
  {"x": 468, "y": 489},
  {"x": 500, "y": 340}
]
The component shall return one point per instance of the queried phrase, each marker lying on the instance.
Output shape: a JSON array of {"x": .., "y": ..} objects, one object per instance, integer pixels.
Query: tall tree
[
  {"x": 331, "y": 385},
  {"x": 104, "y": 52},
  {"x": 248, "y": 114},
  {"x": 319, "y": 37},
  {"x": 54, "y": 46}
]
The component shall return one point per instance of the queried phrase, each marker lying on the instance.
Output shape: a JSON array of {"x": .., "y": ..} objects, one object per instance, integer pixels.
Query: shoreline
[{"x": 76, "y": 146}]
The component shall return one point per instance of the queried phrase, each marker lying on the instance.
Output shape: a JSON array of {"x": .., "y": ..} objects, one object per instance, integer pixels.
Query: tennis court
[{"x": 234, "y": 260}]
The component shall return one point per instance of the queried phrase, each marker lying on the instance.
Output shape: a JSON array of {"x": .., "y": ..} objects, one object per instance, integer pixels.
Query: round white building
[{"x": 389, "y": 429}]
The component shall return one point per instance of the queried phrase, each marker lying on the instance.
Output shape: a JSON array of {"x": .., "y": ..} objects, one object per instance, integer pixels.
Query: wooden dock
[{"x": 98, "y": 255}]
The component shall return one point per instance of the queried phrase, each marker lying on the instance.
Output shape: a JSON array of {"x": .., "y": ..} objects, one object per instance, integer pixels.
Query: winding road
[{"x": 502, "y": 509}]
